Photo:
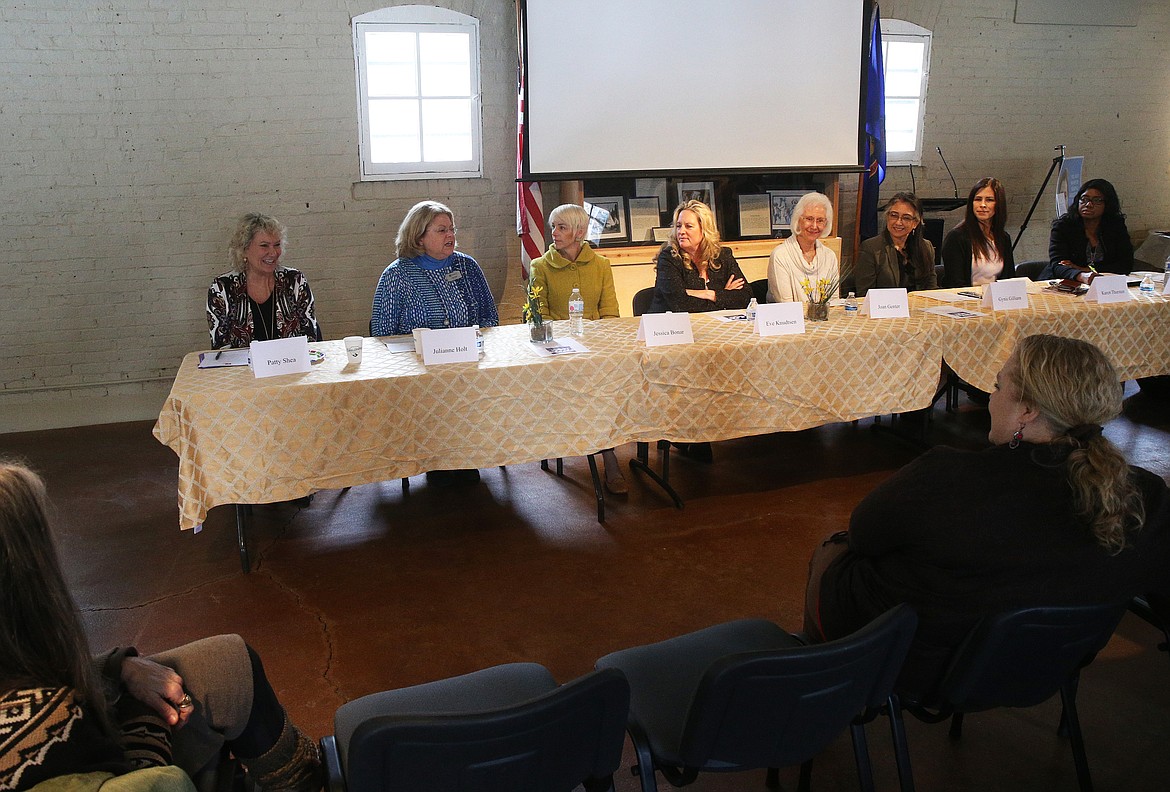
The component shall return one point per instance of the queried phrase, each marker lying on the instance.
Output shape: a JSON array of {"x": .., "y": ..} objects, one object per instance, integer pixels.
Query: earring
[{"x": 1017, "y": 437}]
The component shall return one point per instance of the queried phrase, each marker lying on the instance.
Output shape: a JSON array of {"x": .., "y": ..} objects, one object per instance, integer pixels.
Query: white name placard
[
  {"x": 280, "y": 356},
  {"x": 786, "y": 318},
  {"x": 1166, "y": 286},
  {"x": 1007, "y": 295},
  {"x": 1108, "y": 289},
  {"x": 665, "y": 329},
  {"x": 449, "y": 345},
  {"x": 886, "y": 304}
]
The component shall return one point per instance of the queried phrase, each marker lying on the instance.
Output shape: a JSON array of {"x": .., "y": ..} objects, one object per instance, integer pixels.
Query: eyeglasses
[
  {"x": 1086, "y": 199},
  {"x": 905, "y": 218},
  {"x": 441, "y": 231}
]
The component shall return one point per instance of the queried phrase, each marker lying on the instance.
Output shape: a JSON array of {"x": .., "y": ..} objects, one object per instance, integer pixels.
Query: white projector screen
[{"x": 661, "y": 86}]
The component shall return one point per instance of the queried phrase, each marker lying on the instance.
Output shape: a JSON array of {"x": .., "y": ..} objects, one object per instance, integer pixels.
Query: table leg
[
  {"x": 242, "y": 536},
  {"x": 642, "y": 462},
  {"x": 597, "y": 488}
]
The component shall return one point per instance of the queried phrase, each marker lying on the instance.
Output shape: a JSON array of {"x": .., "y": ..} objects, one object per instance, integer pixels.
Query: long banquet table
[{"x": 244, "y": 440}]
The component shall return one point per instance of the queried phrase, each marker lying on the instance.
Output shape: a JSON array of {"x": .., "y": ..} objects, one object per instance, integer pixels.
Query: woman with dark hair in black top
[
  {"x": 978, "y": 250},
  {"x": 1091, "y": 237}
]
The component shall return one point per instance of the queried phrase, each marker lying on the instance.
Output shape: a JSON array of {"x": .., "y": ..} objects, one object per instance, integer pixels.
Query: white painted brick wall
[
  {"x": 1001, "y": 95},
  {"x": 135, "y": 133}
]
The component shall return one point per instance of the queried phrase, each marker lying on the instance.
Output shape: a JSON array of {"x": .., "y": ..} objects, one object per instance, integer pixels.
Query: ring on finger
[{"x": 185, "y": 702}]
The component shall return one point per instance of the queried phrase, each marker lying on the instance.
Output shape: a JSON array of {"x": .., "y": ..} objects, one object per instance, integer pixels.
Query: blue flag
[{"x": 873, "y": 155}]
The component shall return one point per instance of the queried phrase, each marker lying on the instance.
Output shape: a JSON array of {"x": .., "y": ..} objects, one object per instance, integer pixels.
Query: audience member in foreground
[
  {"x": 898, "y": 257},
  {"x": 571, "y": 263},
  {"x": 1051, "y": 514},
  {"x": 66, "y": 712},
  {"x": 259, "y": 300},
  {"x": 1091, "y": 237},
  {"x": 803, "y": 257},
  {"x": 694, "y": 272},
  {"x": 978, "y": 250},
  {"x": 430, "y": 284}
]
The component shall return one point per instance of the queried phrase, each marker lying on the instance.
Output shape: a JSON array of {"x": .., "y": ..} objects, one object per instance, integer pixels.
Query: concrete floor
[{"x": 369, "y": 589}]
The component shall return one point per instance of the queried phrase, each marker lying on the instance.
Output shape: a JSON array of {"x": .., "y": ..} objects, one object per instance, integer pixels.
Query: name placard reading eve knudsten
[
  {"x": 886, "y": 304},
  {"x": 665, "y": 329},
  {"x": 786, "y": 318},
  {"x": 1108, "y": 289},
  {"x": 280, "y": 356},
  {"x": 1006, "y": 295},
  {"x": 449, "y": 345}
]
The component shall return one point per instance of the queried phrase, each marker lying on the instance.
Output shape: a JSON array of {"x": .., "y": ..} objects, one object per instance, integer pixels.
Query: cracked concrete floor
[{"x": 368, "y": 588}]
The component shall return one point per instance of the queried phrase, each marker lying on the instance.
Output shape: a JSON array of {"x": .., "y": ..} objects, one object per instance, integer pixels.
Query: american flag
[{"x": 529, "y": 209}]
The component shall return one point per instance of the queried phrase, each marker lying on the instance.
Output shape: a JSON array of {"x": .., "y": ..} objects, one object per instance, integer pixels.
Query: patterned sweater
[
  {"x": 426, "y": 292},
  {"x": 229, "y": 313},
  {"x": 47, "y": 732}
]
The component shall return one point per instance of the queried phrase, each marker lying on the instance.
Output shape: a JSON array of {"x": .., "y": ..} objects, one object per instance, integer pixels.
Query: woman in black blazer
[
  {"x": 1092, "y": 237},
  {"x": 898, "y": 257}
]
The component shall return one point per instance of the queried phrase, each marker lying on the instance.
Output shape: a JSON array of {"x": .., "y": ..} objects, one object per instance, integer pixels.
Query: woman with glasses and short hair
[
  {"x": 803, "y": 257},
  {"x": 978, "y": 250},
  {"x": 1091, "y": 237},
  {"x": 898, "y": 257},
  {"x": 430, "y": 284}
]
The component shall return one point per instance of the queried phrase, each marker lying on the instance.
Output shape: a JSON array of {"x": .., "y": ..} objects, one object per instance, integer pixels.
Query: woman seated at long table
[
  {"x": 1091, "y": 237},
  {"x": 259, "y": 299},
  {"x": 694, "y": 272},
  {"x": 802, "y": 262}
]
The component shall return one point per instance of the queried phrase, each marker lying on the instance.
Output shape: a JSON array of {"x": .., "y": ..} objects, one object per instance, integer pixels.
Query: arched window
[
  {"x": 418, "y": 93},
  {"x": 906, "y": 62}
]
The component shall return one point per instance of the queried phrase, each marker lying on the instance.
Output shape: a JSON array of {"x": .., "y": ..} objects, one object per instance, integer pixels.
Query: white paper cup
[
  {"x": 417, "y": 332},
  {"x": 353, "y": 348}
]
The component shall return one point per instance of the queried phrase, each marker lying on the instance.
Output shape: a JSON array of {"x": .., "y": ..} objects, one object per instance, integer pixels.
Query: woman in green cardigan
[{"x": 571, "y": 263}]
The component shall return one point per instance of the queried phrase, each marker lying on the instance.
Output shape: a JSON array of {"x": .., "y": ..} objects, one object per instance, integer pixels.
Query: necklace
[{"x": 269, "y": 326}]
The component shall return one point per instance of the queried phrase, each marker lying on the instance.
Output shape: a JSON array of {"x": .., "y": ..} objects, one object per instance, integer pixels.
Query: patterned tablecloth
[{"x": 245, "y": 440}]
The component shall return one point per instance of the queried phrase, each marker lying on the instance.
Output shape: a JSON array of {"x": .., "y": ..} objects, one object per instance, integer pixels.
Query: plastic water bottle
[
  {"x": 851, "y": 305},
  {"x": 752, "y": 307},
  {"x": 1166, "y": 269},
  {"x": 1147, "y": 286},
  {"x": 478, "y": 341},
  {"x": 576, "y": 314}
]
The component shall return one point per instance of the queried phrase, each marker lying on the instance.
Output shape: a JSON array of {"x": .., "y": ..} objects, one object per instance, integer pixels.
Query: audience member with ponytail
[
  {"x": 1051, "y": 514},
  {"x": 66, "y": 712}
]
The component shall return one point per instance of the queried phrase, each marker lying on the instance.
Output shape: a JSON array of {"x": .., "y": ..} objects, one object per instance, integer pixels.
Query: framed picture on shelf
[
  {"x": 607, "y": 218},
  {"x": 698, "y": 191},
  {"x": 644, "y": 218},
  {"x": 783, "y": 202},
  {"x": 652, "y": 187},
  {"x": 755, "y": 216}
]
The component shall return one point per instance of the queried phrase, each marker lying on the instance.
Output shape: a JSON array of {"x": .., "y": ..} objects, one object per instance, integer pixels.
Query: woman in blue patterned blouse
[{"x": 430, "y": 284}]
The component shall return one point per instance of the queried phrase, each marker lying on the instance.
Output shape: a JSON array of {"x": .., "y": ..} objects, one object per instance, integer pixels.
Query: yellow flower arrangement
[
  {"x": 821, "y": 291},
  {"x": 531, "y": 309}
]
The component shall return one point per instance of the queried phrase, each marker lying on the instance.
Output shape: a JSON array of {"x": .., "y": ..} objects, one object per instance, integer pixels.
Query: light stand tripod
[{"x": 1057, "y": 161}]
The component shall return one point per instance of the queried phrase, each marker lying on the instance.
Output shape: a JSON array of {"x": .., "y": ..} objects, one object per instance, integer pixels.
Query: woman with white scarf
[{"x": 803, "y": 256}]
